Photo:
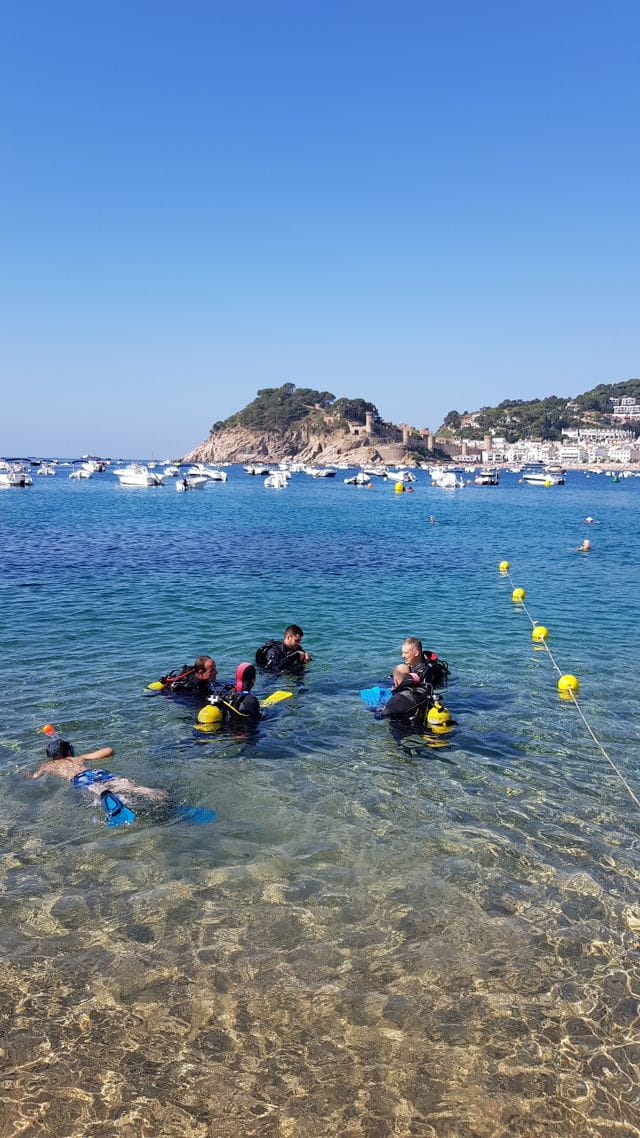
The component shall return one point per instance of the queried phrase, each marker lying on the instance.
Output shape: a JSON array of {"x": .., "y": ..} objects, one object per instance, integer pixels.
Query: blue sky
[{"x": 427, "y": 205}]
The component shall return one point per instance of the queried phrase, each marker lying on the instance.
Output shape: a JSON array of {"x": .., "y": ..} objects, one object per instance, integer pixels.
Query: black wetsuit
[
  {"x": 185, "y": 682},
  {"x": 275, "y": 656},
  {"x": 239, "y": 708},
  {"x": 431, "y": 670},
  {"x": 408, "y": 704}
]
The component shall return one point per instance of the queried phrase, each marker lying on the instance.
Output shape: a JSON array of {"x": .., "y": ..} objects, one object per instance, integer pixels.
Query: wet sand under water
[{"x": 371, "y": 940}]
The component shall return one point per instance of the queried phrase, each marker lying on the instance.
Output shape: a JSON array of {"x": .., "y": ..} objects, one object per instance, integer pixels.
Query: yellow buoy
[
  {"x": 439, "y": 719},
  {"x": 504, "y": 566},
  {"x": 518, "y": 595},
  {"x": 548, "y": 482},
  {"x": 539, "y": 632},
  {"x": 399, "y": 488},
  {"x": 157, "y": 685},
  {"x": 210, "y": 714},
  {"x": 568, "y": 684}
]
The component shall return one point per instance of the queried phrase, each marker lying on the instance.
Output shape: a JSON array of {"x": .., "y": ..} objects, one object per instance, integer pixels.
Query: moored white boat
[
  {"x": 359, "y": 479},
  {"x": 447, "y": 479},
  {"x": 542, "y": 476},
  {"x": 277, "y": 480},
  {"x": 191, "y": 482},
  {"x": 138, "y": 475},
  {"x": 401, "y": 474},
  {"x": 13, "y": 476},
  {"x": 488, "y": 476}
]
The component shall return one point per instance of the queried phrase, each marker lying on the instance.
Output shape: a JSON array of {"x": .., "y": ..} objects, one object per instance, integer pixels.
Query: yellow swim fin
[{"x": 275, "y": 697}]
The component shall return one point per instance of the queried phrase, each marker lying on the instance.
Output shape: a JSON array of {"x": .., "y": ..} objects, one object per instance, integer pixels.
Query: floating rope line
[{"x": 569, "y": 690}]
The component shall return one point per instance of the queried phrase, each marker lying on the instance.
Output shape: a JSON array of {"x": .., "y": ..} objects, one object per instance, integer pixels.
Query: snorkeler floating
[
  {"x": 113, "y": 790},
  {"x": 116, "y": 794}
]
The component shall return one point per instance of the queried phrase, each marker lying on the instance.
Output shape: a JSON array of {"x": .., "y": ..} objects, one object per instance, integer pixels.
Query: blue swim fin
[
  {"x": 375, "y": 697},
  {"x": 197, "y": 815},
  {"x": 117, "y": 813}
]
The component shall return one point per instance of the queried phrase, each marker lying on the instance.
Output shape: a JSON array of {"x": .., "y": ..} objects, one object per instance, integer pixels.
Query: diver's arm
[{"x": 395, "y": 705}]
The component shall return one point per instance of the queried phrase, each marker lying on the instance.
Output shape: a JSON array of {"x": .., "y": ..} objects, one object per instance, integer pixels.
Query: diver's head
[
  {"x": 59, "y": 749},
  {"x": 292, "y": 636},
  {"x": 245, "y": 677},
  {"x": 205, "y": 668},
  {"x": 411, "y": 650},
  {"x": 400, "y": 674}
]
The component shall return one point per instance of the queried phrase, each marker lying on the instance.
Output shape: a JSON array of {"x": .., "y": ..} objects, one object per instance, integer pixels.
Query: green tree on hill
[
  {"x": 279, "y": 408},
  {"x": 599, "y": 398}
]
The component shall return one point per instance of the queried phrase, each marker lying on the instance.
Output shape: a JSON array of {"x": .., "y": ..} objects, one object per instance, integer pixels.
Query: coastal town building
[
  {"x": 568, "y": 453},
  {"x": 626, "y": 408},
  {"x": 599, "y": 434},
  {"x": 585, "y": 445}
]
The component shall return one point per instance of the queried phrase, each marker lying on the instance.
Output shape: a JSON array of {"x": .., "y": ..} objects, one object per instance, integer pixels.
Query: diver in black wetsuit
[
  {"x": 426, "y": 665},
  {"x": 409, "y": 702},
  {"x": 199, "y": 680},
  {"x": 238, "y": 705},
  {"x": 284, "y": 655}
]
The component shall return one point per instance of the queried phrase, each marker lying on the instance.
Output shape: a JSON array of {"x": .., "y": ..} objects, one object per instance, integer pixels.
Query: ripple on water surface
[{"x": 373, "y": 939}]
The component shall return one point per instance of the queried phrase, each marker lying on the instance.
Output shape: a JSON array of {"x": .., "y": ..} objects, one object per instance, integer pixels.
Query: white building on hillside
[{"x": 627, "y": 408}]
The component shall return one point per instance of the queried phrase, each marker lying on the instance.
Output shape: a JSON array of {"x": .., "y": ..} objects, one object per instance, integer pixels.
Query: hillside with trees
[
  {"x": 280, "y": 408},
  {"x": 540, "y": 418},
  {"x": 299, "y": 422}
]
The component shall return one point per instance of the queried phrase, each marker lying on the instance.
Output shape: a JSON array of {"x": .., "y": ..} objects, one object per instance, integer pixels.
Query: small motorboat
[
  {"x": 256, "y": 469},
  {"x": 542, "y": 476},
  {"x": 14, "y": 476},
  {"x": 191, "y": 482},
  {"x": 320, "y": 471},
  {"x": 277, "y": 480},
  {"x": 139, "y": 475},
  {"x": 401, "y": 475},
  {"x": 359, "y": 479},
  {"x": 488, "y": 476},
  {"x": 447, "y": 479}
]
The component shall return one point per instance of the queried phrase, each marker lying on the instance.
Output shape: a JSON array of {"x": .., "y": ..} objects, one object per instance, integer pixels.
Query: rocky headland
[{"x": 310, "y": 426}]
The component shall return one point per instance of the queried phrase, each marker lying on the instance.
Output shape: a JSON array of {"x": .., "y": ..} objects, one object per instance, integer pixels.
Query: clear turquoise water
[{"x": 370, "y": 941}]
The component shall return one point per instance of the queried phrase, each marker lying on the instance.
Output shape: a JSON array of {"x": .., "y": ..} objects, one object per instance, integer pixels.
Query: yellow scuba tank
[
  {"x": 209, "y": 717},
  {"x": 439, "y": 719}
]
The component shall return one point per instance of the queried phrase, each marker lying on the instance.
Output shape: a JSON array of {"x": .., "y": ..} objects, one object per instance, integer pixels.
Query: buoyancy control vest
[
  {"x": 409, "y": 703},
  {"x": 274, "y": 656},
  {"x": 237, "y": 707},
  {"x": 184, "y": 680},
  {"x": 432, "y": 670}
]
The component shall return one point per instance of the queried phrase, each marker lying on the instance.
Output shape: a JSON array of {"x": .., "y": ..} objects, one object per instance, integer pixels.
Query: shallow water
[{"x": 372, "y": 939}]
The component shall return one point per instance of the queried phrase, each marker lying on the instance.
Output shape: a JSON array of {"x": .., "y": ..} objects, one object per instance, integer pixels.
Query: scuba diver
[
  {"x": 237, "y": 704},
  {"x": 410, "y": 700},
  {"x": 426, "y": 665},
  {"x": 198, "y": 681},
  {"x": 284, "y": 655}
]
